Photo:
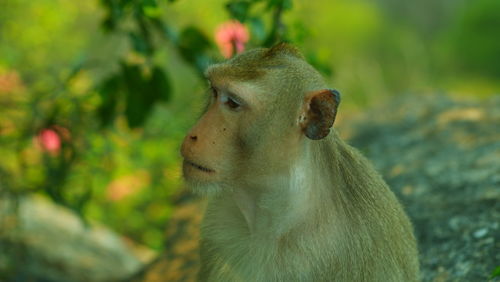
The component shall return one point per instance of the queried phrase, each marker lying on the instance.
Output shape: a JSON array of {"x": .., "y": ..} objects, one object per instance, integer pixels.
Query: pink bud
[
  {"x": 49, "y": 141},
  {"x": 230, "y": 36}
]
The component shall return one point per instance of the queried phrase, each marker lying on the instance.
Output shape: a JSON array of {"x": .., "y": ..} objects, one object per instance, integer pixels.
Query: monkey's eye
[{"x": 230, "y": 102}]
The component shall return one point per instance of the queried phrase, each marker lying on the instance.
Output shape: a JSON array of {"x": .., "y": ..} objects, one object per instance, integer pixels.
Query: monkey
[{"x": 288, "y": 200}]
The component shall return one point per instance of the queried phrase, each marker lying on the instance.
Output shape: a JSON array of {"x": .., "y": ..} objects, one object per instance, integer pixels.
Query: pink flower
[
  {"x": 49, "y": 141},
  {"x": 231, "y": 38}
]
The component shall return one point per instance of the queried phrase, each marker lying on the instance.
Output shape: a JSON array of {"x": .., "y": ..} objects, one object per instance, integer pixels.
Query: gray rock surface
[
  {"x": 46, "y": 242},
  {"x": 442, "y": 158}
]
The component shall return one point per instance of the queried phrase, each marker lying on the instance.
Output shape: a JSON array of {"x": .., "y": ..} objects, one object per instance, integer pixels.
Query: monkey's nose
[{"x": 193, "y": 137}]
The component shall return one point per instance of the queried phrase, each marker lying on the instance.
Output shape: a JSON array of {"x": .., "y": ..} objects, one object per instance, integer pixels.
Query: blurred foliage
[
  {"x": 147, "y": 30},
  {"x": 476, "y": 37},
  {"x": 495, "y": 272},
  {"x": 111, "y": 151},
  {"x": 119, "y": 82}
]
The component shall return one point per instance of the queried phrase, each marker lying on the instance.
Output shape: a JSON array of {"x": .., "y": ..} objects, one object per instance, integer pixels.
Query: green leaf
[
  {"x": 143, "y": 92},
  {"x": 192, "y": 45},
  {"x": 160, "y": 84},
  {"x": 287, "y": 4},
  {"x": 193, "y": 39},
  {"x": 138, "y": 43},
  {"x": 151, "y": 9},
  {"x": 83, "y": 200},
  {"x": 108, "y": 24},
  {"x": 166, "y": 31},
  {"x": 114, "y": 12},
  {"x": 138, "y": 103},
  {"x": 150, "y": 3},
  {"x": 238, "y": 10},
  {"x": 273, "y": 3},
  {"x": 110, "y": 93},
  {"x": 257, "y": 29},
  {"x": 495, "y": 273}
]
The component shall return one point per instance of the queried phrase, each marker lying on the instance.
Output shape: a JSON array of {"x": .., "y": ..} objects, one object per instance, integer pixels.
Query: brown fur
[{"x": 283, "y": 207}]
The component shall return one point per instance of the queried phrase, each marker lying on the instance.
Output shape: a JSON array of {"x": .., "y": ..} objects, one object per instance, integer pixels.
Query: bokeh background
[{"x": 96, "y": 96}]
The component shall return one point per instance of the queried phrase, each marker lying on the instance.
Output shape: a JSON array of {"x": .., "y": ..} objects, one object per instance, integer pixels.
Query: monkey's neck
[
  {"x": 247, "y": 203},
  {"x": 282, "y": 205}
]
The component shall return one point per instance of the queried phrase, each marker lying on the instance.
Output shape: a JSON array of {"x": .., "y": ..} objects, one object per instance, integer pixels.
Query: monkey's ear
[{"x": 319, "y": 113}]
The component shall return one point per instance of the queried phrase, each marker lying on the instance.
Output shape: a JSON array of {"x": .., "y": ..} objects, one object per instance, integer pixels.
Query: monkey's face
[
  {"x": 238, "y": 138},
  {"x": 260, "y": 112}
]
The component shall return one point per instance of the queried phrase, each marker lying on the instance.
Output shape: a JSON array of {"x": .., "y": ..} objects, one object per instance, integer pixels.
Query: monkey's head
[{"x": 264, "y": 105}]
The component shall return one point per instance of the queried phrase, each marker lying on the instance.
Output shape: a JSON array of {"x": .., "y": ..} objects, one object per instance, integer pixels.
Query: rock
[
  {"x": 46, "y": 242},
  {"x": 449, "y": 153}
]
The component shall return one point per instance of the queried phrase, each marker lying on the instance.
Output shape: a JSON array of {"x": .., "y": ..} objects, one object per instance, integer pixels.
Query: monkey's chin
[
  {"x": 201, "y": 182},
  {"x": 205, "y": 189}
]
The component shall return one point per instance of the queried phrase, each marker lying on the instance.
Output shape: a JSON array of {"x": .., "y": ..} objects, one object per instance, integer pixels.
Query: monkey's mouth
[{"x": 197, "y": 166}]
